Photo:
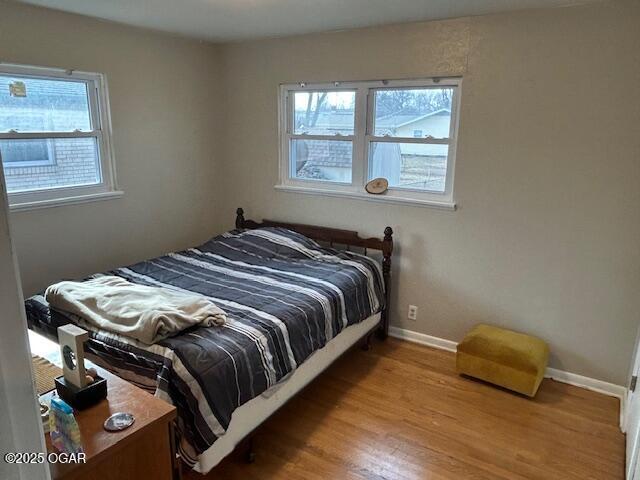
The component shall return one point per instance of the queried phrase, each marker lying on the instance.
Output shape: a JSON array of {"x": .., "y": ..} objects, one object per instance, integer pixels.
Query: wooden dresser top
[{"x": 121, "y": 397}]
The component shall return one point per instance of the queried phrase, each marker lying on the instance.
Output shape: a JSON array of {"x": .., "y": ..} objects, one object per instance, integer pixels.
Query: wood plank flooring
[{"x": 399, "y": 411}]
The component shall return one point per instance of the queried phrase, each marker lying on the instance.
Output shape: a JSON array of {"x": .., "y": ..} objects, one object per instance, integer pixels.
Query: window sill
[
  {"x": 57, "y": 202},
  {"x": 386, "y": 198}
]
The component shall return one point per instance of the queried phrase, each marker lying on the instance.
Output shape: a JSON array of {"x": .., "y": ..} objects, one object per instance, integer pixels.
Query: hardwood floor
[{"x": 401, "y": 412}]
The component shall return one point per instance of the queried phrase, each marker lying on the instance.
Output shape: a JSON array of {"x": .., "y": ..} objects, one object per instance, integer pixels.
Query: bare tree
[
  {"x": 390, "y": 102},
  {"x": 313, "y": 111}
]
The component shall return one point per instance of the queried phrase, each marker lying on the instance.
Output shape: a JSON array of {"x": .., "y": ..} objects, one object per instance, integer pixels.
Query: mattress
[
  {"x": 286, "y": 297},
  {"x": 250, "y": 415}
]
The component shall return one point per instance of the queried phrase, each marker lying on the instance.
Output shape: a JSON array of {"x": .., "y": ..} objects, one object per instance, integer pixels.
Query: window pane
[
  {"x": 37, "y": 105},
  {"x": 27, "y": 152},
  {"x": 324, "y": 113},
  {"x": 409, "y": 165},
  {"x": 413, "y": 112},
  {"x": 49, "y": 163},
  {"x": 326, "y": 160}
]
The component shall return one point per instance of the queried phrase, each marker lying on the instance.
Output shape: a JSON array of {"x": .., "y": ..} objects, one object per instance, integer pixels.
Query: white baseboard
[
  {"x": 423, "y": 339},
  {"x": 592, "y": 384},
  {"x": 574, "y": 379}
]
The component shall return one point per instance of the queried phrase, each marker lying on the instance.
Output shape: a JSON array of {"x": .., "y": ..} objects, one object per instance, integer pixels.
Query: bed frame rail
[{"x": 335, "y": 236}]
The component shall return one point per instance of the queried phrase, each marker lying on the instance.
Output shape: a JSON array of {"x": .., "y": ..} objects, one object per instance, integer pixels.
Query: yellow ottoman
[{"x": 512, "y": 360}]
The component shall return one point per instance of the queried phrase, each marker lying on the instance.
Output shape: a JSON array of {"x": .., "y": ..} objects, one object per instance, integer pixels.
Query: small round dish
[{"x": 118, "y": 421}]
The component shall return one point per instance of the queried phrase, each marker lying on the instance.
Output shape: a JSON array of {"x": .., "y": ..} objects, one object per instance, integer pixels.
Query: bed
[{"x": 295, "y": 303}]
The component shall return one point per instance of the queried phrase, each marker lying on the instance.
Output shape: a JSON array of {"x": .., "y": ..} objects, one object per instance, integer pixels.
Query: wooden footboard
[{"x": 348, "y": 238}]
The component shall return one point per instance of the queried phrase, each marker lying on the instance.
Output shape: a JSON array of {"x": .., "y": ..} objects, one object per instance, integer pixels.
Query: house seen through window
[
  {"x": 52, "y": 140},
  {"x": 337, "y": 137}
]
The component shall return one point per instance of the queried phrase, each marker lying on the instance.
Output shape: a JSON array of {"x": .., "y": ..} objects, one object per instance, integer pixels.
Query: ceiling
[{"x": 231, "y": 20}]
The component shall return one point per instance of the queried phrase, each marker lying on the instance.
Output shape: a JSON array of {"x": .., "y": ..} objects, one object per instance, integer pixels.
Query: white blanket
[{"x": 148, "y": 314}]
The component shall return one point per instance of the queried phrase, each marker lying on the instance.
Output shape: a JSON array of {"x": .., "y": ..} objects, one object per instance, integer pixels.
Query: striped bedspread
[{"x": 285, "y": 297}]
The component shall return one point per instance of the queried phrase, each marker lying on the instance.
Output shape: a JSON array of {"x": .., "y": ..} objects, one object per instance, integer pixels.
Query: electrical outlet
[{"x": 413, "y": 312}]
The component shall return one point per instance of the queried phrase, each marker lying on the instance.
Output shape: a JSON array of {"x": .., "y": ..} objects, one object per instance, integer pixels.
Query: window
[
  {"x": 27, "y": 153},
  {"x": 336, "y": 137},
  {"x": 55, "y": 142},
  {"x": 321, "y": 140}
]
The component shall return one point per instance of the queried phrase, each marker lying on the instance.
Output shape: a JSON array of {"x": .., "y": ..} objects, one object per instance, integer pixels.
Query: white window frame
[
  {"x": 362, "y": 138},
  {"x": 98, "y": 99}
]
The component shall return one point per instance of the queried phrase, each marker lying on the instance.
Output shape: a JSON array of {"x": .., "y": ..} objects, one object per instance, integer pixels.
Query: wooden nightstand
[{"x": 144, "y": 450}]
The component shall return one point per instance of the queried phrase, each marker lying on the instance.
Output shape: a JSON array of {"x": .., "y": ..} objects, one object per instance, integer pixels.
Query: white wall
[
  {"x": 20, "y": 429},
  {"x": 546, "y": 239},
  {"x": 165, "y": 107}
]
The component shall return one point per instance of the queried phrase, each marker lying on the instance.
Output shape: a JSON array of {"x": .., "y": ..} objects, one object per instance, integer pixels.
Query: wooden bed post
[
  {"x": 239, "y": 218},
  {"x": 387, "y": 250}
]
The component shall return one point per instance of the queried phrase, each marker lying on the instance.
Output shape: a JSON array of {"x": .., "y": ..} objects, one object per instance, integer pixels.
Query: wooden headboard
[{"x": 335, "y": 236}]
